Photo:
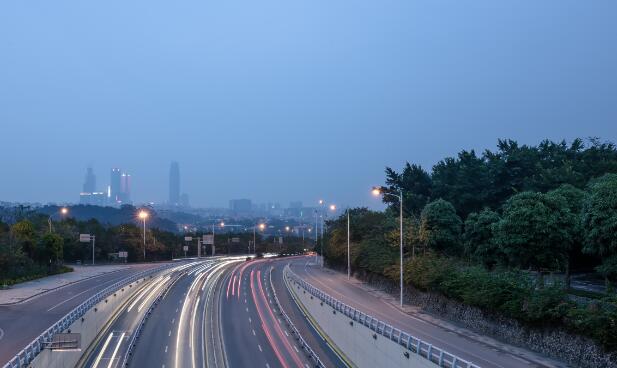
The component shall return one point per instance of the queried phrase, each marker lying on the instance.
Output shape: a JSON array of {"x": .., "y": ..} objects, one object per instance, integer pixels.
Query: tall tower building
[
  {"x": 115, "y": 186},
  {"x": 174, "y": 184},
  {"x": 90, "y": 182},
  {"x": 125, "y": 188}
]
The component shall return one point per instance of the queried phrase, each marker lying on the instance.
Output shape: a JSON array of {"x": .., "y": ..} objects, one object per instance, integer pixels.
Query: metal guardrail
[
  {"x": 27, "y": 355},
  {"x": 413, "y": 344},
  {"x": 303, "y": 344}
]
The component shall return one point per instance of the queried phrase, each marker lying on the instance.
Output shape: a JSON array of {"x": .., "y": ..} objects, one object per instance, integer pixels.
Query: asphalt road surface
[
  {"x": 21, "y": 323},
  {"x": 453, "y": 341}
]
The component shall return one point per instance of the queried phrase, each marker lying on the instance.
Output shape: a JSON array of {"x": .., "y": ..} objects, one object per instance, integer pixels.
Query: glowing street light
[
  {"x": 378, "y": 191},
  {"x": 63, "y": 211},
  {"x": 287, "y": 228},
  {"x": 332, "y": 207},
  {"x": 143, "y": 215},
  {"x": 262, "y": 227}
]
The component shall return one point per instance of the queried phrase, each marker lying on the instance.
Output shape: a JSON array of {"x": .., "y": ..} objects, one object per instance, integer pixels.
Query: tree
[
  {"x": 535, "y": 231},
  {"x": 463, "y": 181},
  {"x": 24, "y": 236},
  {"x": 50, "y": 248},
  {"x": 416, "y": 185},
  {"x": 440, "y": 227},
  {"x": 600, "y": 222},
  {"x": 573, "y": 198},
  {"x": 478, "y": 238}
]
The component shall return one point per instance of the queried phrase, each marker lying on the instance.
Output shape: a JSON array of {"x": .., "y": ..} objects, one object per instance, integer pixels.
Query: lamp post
[
  {"x": 63, "y": 211},
  {"x": 143, "y": 215},
  {"x": 378, "y": 191}
]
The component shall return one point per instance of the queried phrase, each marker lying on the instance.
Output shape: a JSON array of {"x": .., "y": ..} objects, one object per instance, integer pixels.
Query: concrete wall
[
  {"x": 355, "y": 340},
  {"x": 89, "y": 327}
]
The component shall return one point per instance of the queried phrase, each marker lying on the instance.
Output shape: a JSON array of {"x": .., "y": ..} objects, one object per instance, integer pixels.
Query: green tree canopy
[
  {"x": 600, "y": 221},
  {"x": 440, "y": 227},
  {"x": 535, "y": 231},
  {"x": 478, "y": 238}
]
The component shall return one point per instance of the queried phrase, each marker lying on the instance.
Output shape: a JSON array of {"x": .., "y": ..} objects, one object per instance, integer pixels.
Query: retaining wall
[{"x": 363, "y": 346}]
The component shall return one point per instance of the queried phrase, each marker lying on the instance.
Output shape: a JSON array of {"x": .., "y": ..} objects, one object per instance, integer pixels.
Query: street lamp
[
  {"x": 143, "y": 215},
  {"x": 378, "y": 191},
  {"x": 63, "y": 211}
]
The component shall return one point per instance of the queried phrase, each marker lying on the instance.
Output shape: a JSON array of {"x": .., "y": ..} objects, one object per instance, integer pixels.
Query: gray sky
[{"x": 288, "y": 100}]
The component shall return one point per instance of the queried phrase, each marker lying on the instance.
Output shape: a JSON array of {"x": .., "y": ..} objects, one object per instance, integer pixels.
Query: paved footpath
[{"x": 29, "y": 289}]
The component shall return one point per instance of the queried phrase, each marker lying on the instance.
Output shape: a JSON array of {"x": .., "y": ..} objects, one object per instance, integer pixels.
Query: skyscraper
[
  {"x": 89, "y": 182},
  {"x": 114, "y": 185},
  {"x": 125, "y": 188},
  {"x": 174, "y": 184}
]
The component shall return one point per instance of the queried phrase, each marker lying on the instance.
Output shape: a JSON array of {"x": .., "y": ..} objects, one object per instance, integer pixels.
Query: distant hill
[{"x": 111, "y": 215}]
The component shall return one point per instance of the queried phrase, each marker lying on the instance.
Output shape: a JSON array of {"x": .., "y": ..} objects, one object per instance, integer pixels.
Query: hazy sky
[{"x": 288, "y": 99}]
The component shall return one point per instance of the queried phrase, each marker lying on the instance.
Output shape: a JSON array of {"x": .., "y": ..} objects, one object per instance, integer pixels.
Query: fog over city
[{"x": 288, "y": 101}]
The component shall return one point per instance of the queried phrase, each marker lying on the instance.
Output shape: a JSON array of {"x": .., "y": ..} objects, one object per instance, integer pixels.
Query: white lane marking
[
  {"x": 76, "y": 295},
  {"x": 113, "y": 356},
  {"x": 286, "y": 333},
  {"x": 247, "y": 310},
  {"x": 250, "y": 320},
  {"x": 259, "y": 346},
  {"x": 297, "y": 351},
  {"x": 267, "y": 365},
  {"x": 173, "y": 320},
  {"x": 169, "y": 334},
  {"x": 98, "y": 358},
  {"x": 254, "y": 333},
  {"x": 176, "y": 310},
  {"x": 1, "y": 334},
  {"x": 166, "y": 347}
]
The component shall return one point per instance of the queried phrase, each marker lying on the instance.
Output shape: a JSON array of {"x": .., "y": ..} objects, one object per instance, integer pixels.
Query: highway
[
  {"x": 23, "y": 322},
  {"x": 474, "y": 350},
  {"x": 254, "y": 333}
]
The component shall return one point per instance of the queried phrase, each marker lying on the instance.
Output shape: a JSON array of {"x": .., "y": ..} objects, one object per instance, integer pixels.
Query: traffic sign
[
  {"x": 235, "y": 240},
  {"x": 84, "y": 238},
  {"x": 208, "y": 239},
  {"x": 188, "y": 238}
]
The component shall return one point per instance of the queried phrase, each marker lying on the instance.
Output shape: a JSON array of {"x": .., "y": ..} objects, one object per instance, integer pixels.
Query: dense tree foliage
[
  {"x": 440, "y": 227},
  {"x": 478, "y": 239},
  {"x": 600, "y": 223},
  {"x": 535, "y": 231},
  {"x": 489, "y": 226}
]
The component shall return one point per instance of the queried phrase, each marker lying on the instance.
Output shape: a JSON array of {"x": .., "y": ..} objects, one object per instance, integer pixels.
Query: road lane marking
[
  {"x": 297, "y": 351},
  {"x": 113, "y": 356},
  {"x": 286, "y": 333},
  {"x": 166, "y": 347},
  {"x": 254, "y": 333},
  {"x": 98, "y": 358},
  {"x": 173, "y": 320},
  {"x": 169, "y": 334},
  {"x": 259, "y": 346}
]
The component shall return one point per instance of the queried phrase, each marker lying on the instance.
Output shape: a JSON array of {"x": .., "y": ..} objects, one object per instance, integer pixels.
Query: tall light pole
[
  {"x": 348, "y": 248},
  {"x": 262, "y": 227},
  {"x": 143, "y": 215},
  {"x": 377, "y": 191},
  {"x": 63, "y": 211}
]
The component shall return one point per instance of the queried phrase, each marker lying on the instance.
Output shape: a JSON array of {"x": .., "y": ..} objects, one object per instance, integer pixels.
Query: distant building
[
  {"x": 89, "y": 182},
  {"x": 184, "y": 200},
  {"x": 174, "y": 184},
  {"x": 295, "y": 204},
  {"x": 240, "y": 205},
  {"x": 125, "y": 188},
  {"x": 89, "y": 195},
  {"x": 93, "y": 198},
  {"x": 114, "y": 185}
]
